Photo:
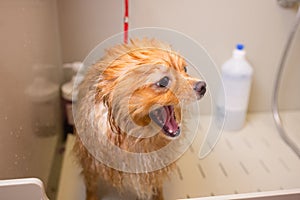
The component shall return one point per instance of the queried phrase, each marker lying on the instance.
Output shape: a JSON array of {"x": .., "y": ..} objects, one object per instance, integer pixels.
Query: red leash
[{"x": 126, "y": 21}]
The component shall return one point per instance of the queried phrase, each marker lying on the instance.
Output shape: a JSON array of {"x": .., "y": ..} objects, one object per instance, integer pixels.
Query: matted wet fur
[{"x": 121, "y": 93}]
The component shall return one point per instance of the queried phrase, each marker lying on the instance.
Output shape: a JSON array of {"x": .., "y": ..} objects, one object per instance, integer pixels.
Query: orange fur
[{"x": 122, "y": 83}]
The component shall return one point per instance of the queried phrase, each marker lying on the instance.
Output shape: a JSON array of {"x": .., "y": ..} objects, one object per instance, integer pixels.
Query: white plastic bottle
[{"x": 237, "y": 77}]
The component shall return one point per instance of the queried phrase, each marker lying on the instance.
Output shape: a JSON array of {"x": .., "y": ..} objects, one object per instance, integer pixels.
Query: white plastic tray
[{"x": 254, "y": 160}]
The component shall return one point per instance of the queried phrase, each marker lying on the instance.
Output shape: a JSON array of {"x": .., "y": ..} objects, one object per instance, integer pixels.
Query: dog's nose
[{"x": 200, "y": 87}]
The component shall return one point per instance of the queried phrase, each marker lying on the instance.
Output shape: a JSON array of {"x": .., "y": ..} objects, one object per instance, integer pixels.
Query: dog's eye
[
  {"x": 185, "y": 69},
  {"x": 163, "y": 82}
]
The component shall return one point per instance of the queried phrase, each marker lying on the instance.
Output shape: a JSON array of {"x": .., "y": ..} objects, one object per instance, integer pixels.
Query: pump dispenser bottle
[{"x": 237, "y": 77}]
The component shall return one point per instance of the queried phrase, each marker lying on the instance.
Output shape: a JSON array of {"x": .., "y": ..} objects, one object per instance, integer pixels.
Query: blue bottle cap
[{"x": 240, "y": 46}]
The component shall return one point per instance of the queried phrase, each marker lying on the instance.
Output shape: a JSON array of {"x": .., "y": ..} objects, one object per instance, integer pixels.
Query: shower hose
[{"x": 275, "y": 109}]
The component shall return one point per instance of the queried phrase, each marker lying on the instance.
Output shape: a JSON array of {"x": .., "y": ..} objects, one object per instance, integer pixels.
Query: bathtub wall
[
  {"x": 262, "y": 26},
  {"x": 29, "y": 48}
]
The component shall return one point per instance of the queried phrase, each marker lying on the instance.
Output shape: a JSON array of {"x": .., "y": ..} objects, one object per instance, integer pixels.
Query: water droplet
[
  {"x": 16, "y": 162},
  {"x": 5, "y": 118},
  {"x": 11, "y": 133},
  {"x": 21, "y": 128}
]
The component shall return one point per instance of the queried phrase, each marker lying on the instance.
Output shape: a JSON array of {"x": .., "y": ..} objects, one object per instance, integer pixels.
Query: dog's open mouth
[{"x": 166, "y": 119}]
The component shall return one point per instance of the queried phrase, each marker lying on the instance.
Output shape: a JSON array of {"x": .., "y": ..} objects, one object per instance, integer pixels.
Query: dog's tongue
[{"x": 170, "y": 122}]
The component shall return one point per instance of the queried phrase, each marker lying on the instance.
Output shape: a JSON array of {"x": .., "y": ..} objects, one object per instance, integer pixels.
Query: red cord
[{"x": 126, "y": 15}]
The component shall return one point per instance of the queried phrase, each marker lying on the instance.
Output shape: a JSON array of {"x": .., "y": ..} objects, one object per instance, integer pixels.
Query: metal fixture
[{"x": 275, "y": 110}]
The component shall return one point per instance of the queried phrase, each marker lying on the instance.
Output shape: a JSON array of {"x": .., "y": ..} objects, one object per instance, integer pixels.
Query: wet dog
[{"x": 129, "y": 108}]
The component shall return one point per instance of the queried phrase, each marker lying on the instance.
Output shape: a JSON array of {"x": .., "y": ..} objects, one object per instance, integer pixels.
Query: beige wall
[
  {"x": 262, "y": 26},
  {"x": 29, "y": 37}
]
